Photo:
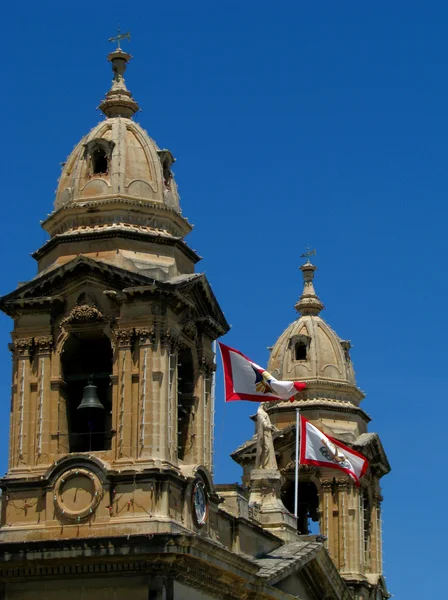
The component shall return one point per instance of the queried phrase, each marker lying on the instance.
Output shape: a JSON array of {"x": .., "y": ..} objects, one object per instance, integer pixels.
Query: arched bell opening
[
  {"x": 185, "y": 404},
  {"x": 86, "y": 369},
  {"x": 307, "y": 506}
]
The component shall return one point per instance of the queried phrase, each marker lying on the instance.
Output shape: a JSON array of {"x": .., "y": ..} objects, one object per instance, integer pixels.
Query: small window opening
[
  {"x": 100, "y": 162},
  {"x": 300, "y": 351}
]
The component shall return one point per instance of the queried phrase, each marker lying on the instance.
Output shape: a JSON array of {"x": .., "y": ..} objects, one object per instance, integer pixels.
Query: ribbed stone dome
[
  {"x": 327, "y": 356},
  {"x": 117, "y": 200},
  {"x": 118, "y": 158}
]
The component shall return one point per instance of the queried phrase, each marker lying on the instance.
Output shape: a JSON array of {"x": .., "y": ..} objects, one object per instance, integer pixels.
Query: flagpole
[{"x": 296, "y": 487}]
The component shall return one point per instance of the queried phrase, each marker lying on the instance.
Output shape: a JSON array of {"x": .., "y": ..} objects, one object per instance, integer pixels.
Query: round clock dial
[{"x": 200, "y": 503}]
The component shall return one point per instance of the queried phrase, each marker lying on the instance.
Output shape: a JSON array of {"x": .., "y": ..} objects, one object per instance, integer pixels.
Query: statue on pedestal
[{"x": 265, "y": 457}]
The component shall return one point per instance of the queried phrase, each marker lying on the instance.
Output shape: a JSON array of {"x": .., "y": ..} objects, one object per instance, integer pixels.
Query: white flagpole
[{"x": 296, "y": 488}]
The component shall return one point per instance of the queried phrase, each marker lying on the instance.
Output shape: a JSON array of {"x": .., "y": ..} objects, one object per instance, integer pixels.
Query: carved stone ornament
[
  {"x": 207, "y": 364},
  {"x": 327, "y": 485},
  {"x": 76, "y": 495},
  {"x": 377, "y": 498},
  {"x": 169, "y": 338},
  {"x": 146, "y": 335},
  {"x": 124, "y": 336},
  {"x": 83, "y": 314},
  {"x": 343, "y": 484},
  {"x": 291, "y": 467},
  {"x": 24, "y": 346},
  {"x": 44, "y": 344},
  {"x": 190, "y": 330}
]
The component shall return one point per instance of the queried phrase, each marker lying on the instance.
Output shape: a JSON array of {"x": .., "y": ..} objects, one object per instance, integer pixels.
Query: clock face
[{"x": 200, "y": 503}]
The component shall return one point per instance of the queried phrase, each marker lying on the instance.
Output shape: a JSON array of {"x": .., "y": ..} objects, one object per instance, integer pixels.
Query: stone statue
[{"x": 265, "y": 457}]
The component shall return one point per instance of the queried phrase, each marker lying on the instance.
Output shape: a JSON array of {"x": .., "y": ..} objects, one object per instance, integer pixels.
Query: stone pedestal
[{"x": 266, "y": 506}]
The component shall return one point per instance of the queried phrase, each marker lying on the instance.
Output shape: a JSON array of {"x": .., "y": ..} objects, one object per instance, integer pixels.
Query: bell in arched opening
[{"x": 90, "y": 397}]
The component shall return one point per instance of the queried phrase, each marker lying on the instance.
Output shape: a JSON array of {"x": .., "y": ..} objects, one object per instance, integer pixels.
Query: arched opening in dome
[
  {"x": 185, "y": 404},
  {"x": 100, "y": 162},
  {"x": 300, "y": 351},
  {"x": 87, "y": 358}
]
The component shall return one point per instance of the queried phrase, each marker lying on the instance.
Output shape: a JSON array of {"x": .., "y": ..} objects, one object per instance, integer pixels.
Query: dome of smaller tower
[{"x": 309, "y": 349}]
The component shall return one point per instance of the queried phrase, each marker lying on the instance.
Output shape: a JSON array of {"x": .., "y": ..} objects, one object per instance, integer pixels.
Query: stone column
[
  {"x": 375, "y": 536},
  {"x": 43, "y": 415},
  {"x": 204, "y": 434},
  {"x": 326, "y": 511},
  {"x": 167, "y": 395},
  {"x": 343, "y": 486},
  {"x": 20, "y": 430},
  {"x": 123, "y": 406},
  {"x": 146, "y": 339}
]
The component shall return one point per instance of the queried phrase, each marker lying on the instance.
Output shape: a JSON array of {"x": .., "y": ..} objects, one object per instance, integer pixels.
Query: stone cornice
[
  {"x": 324, "y": 404},
  {"x": 81, "y": 206},
  {"x": 57, "y": 278},
  {"x": 30, "y": 305},
  {"x": 116, "y": 233}
]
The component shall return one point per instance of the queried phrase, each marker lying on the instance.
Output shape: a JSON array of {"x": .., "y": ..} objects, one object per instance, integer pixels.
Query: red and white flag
[
  {"x": 245, "y": 380},
  {"x": 321, "y": 450}
]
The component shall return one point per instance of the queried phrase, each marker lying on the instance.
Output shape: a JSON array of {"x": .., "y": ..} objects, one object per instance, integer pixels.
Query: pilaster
[
  {"x": 20, "y": 432},
  {"x": 43, "y": 414},
  {"x": 124, "y": 400},
  {"x": 145, "y": 338}
]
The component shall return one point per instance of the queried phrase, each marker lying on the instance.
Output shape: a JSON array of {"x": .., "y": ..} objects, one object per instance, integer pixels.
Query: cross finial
[
  {"x": 308, "y": 253},
  {"x": 120, "y": 36}
]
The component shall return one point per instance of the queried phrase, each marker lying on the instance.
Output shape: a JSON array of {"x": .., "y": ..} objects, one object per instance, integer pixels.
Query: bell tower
[
  {"x": 113, "y": 361},
  {"x": 349, "y": 517}
]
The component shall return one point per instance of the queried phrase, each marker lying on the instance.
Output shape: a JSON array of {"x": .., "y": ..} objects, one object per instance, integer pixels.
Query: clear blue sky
[{"x": 293, "y": 123}]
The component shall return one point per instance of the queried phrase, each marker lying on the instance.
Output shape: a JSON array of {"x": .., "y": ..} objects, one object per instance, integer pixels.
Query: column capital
[
  {"x": 170, "y": 338},
  {"x": 145, "y": 335},
  {"x": 44, "y": 344},
  {"x": 124, "y": 337},
  {"x": 23, "y": 347}
]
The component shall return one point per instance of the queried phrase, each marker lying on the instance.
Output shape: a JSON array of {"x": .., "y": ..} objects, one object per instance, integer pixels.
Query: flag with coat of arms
[
  {"x": 321, "y": 450},
  {"x": 245, "y": 380}
]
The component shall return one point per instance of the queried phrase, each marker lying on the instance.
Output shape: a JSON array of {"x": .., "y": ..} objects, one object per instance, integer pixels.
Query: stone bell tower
[
  {"x": 348, "y": 516},
  {"x": 112, "y": 407}
]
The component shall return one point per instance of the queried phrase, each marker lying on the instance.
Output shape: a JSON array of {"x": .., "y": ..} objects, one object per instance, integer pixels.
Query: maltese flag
[
  {"x": 320, "y": 450},
  {"x": 245, "y": 380}
]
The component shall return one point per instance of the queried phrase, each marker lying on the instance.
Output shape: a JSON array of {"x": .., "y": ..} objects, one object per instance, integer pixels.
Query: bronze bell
[{"x": 90, "y": 398}]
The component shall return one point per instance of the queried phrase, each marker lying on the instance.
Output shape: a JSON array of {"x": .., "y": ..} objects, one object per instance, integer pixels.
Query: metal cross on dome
[{"x": 120, "y": 36}]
